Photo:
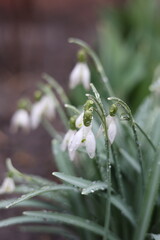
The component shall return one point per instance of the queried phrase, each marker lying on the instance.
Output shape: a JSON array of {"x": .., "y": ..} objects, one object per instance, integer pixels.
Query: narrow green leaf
[
  {"x": 26, "y": 203},
  {"x": 50, "y": 229},
  {"x": 76, "y": 181},
  {"x": 124, "y": 209},
  {"x": 40, "y": 191},
  {"x": 71, "y": 220},
  {"x": 93, "y": 187},
  {"x": 67, "y": 219},
  {"x": 149, "y": 199},
  {"x": 133, "y": 163},
  {"x": 19, "y": 220},
  {"x": 62, "y": 159}
]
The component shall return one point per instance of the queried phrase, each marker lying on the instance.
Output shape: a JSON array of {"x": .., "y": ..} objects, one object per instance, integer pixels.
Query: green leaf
[
  {"x": 133, "y": 163},
  {"x": 67, "y": 219},
  {"x": 76, "y": 181},
  {"x": 93, "y": 187},
  {"x": 41, "y": 191},
  {"x": 26, "y": 203},
  {"x": 20, "y": 220},
  {"x": 62, "y": 160},
  {"x": 124, "y": 209},
  {"x": 149, "y": 199},
  {"x": 50, "y": 229},
  {"x": 70, "y": 220}
]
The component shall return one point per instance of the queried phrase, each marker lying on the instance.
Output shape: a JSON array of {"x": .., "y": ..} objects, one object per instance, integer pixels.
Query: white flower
[
  {"x": 45, "y": 107},
  {"x": 112, "y": 128},
  {"x": 80, "y": 74},
  {"x": 7, "y": 186},
  {"x": 79, "y": 120},
  {"x": 20, "y": 119},
  {"x": 155, "y": 86},
  {"x": 67, "y": 139},
  {"x": 83, "y": 137}
]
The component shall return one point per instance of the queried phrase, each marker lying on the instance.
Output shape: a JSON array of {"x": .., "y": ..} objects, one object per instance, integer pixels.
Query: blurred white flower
[
  {"x": 20, "y": 119},
  {"x": 155, "y": 86},
  {"x": 7, "y": 186},
  {"x": 80, "y": 74},
  {"x": 43, "y": 108},
  {"x": 83, "y": 137},
  {"x": 112, "y": 128}
]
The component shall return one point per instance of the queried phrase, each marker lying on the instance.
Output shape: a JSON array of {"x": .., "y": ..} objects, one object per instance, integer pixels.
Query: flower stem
[{"x": 148, "y": 139}]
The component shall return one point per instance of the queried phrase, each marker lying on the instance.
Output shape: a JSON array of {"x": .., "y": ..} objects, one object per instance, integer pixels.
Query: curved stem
[
  {"x": 97, "y": 62},
  {"x": 146, "y": 136},
  {"x": 57, "y": 87}
]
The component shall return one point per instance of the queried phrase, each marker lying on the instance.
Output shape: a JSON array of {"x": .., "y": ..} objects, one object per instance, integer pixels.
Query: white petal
[
  {"x": 20, "y": 119},
  {"x": 72, "y": 155},
  {"x": 76, "y": 140},
  {"x": 48, "y": 106},
  {"x": 36, "y": 114},
  {"x": 79, "y": 120},
  {"x": 90, "y": 144},
  {"x": 112, "y": 131},
  {"x": 67, "y": 139},
  {"x": 7, "y": 186},
  {"x": 85, "y": 76},
  {"x": 74, "y": 78},
  {"x": 109, "y": 119}
]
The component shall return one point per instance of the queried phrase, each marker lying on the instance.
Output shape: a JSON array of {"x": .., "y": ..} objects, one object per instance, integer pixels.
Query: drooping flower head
[
  {"x": 111, "y": 123},
  {"x": 45, "y": 107},
  {"x": 80, "y": 73},
  {"x": 84, "y": 136},
  {"x": 7, "y": 186},
  {"x": 69, "y": 136},
  {"x": 21, "y": 119}
]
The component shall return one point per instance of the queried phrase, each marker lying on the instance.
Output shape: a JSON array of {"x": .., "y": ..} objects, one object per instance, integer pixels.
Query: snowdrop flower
[
  {"x": 20, "y": 119},
  {"x": 44, "y": 107},
  {"x": 112, "y": 128},
  {"x": 155, "y": 86},
  {"x": 83, "y": 137},
  {"x": 69, "y": 136},
  {"x": 80, "y": 73},
  {"x": 7, "y": 186}
]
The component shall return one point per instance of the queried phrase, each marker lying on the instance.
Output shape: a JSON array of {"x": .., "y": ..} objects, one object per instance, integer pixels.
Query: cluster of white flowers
[
  {"x": 82, "y": 136},
  {"x": 21, "y": 119}
]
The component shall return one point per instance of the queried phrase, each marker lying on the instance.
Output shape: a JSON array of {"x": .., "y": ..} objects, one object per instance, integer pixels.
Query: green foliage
[
  {"x": 129, "y": 36},
  {"x": 114, "y": 195}
]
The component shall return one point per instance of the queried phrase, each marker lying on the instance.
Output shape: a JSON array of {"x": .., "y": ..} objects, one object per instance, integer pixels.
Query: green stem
[
  {"x": 57, "y": 87},
  {"x": 118, "y": 173},
  {"x": 133, "y": 125},
  {"x": 50, "y": 129},
  {"x": 108, "y": 203},
  {"x": 148, "y": 139},
  {"x": 97, "y": 62}
]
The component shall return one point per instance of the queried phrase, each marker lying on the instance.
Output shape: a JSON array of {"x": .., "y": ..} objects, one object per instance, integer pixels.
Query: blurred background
[{"x": 33, "y": 40}]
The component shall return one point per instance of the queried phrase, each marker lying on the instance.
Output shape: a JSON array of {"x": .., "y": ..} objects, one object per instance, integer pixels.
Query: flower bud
[
  {"x": 87, "y": 118},
  {"x": 72, "y": 122},
  {"x": 88, "y": 105},
  {"x": 113, "y": 109},
  {"x": 37, "y": 95},
  {"x": 81, "y": 55}
]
